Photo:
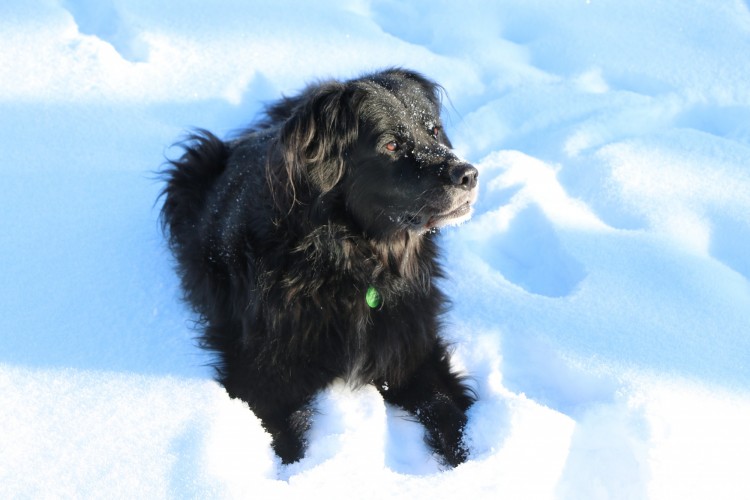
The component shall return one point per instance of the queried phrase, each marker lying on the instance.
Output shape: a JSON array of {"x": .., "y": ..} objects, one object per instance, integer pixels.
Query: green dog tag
[{"x": 372, "y": 297}]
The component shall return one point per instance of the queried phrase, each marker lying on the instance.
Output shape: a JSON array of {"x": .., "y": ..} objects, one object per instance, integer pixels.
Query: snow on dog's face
[
  {"x": 402, "y": 173},
  {"x": 373, "y": 150}
]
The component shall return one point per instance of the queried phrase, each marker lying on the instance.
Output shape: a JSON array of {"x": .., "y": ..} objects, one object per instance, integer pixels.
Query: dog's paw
[
  {"x": 445, "y": 423},
  {"x": 290, "y": 442},
  {"x": 289, "y": 448},
  {"x": 450, "y": 447}
]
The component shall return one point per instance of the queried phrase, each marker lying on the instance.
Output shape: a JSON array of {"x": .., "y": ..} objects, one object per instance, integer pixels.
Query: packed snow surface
[{"x": 601, "y": 290}]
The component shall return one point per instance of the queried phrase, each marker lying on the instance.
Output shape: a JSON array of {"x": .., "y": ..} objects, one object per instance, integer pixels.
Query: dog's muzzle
[{"x": 461, "y": 193}]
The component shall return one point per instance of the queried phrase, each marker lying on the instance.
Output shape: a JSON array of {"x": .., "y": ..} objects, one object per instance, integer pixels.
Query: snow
[{"x": 601, "y": 290}]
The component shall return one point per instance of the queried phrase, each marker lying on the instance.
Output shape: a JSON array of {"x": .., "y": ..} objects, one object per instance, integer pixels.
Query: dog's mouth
[
  {"x": 435, "y": 221},
  {"x": 460, "y": 214}
]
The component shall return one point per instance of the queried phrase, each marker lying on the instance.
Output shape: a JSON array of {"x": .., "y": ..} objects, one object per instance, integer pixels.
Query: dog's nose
[{"x": 464, "y": 176}]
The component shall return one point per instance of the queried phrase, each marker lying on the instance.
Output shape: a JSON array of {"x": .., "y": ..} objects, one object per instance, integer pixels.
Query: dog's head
[{"x": 374, "y": 150}]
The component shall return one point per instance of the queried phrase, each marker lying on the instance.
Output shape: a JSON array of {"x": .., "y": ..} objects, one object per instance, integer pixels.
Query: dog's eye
[
  {"x": 435, "y": 131},
  {"x": 392, "y": 146}
]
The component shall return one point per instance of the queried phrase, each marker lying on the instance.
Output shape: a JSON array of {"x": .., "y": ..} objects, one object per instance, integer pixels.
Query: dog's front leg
[
  {"x": 282, "y": 402},
  {"x": 287, "y": 427},
  {"x": 438, "y": 398}
]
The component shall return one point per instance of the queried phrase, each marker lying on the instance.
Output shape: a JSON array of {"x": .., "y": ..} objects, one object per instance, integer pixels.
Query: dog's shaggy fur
[{"x": 280, "y": 234}]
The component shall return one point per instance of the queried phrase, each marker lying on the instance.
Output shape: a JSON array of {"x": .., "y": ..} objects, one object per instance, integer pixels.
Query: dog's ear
[{"x": 315, "y": 137}]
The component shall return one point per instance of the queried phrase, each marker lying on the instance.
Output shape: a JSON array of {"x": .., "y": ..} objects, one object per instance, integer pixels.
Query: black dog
[{"x": 307, "y": 247}]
